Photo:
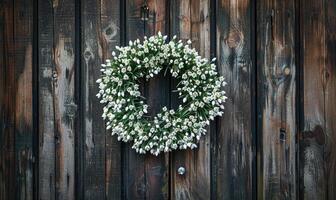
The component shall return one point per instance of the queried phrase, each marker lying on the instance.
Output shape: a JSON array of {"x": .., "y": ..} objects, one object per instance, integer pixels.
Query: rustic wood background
[{"x": 276, "y": 140}]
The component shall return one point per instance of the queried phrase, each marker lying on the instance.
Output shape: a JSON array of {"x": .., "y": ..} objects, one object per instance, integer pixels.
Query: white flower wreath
[{"x": 125, "y": 111}]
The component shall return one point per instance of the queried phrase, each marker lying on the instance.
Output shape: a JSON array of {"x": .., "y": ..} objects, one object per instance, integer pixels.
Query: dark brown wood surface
[
  {"x": 146, "y": 176},
  {"x": 317, "y": 153},
  {"x": 7, "y": 108},
  {"x": 16, "y": 136},
  {"x": 157, "y": 94},
  {"x": 57, "y": 107},
  {"x": 134, "y": 179},
  {"x": 7, "y": 133},
  {"x": 46, "y": 159},
  {"x": 110, "y": 38},
  {"x": 234, "y": 156},
  {"x": 93, "y": 128},
  {"x": 276, "y": 139},
  {"x": 276, "y": 98},
  {"x": 23, "y": 39},
  {"x": 63, "y": 97},
  {"x": 191, "y": 20}
]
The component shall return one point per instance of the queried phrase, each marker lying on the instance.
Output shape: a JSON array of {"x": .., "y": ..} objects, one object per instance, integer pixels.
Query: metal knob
[{"x": 181, "y": 170}]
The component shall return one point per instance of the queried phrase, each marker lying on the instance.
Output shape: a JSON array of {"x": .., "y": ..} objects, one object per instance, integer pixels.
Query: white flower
[{"x": 145, "y": 108}]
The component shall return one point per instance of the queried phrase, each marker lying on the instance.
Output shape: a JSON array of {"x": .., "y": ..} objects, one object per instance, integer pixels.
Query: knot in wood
[
  {"x": 234, "y": 38},
  {"x": 317, "y": 134},
  {"x": 70, "y": 109},
  {"x": 287, "y": 71},
  {"x": 54, "y": 75},
  {"x": 88, "y": 55},
  {"x": 325, "y": 77}
]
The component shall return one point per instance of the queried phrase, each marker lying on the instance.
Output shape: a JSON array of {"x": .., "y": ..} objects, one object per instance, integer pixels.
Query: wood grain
[
  {"x": 191, "y": 20},
  {"x": 23, "y": 35},
  {"x": 63, "y": 98},
  {"x": 157, "y": 94},
  {"x": 295, "y": 91},
  {"x": 93, "y": 125},
  {"x": 329, "y": 80},
  {"x": 134, "y": 180},
  {"x": 2, "y": 99},
  {"x": 110, "y": 37},
  {"x": 276, "y": 99},
  {"x": 7, "y": 134},
  {"x": 46, "y": 179},
  {"x": 313, "y": 185},
  {"x": 317, "y": 141},
  {"x": 146, "y": 176},
  {"x": 234, "y": 138},
  {"x": 16, "y": 168},
  {"x": 3, "y": 184}
]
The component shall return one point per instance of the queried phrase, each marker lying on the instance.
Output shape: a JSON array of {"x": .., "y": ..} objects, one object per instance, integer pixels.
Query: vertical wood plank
[
  {"x": 2, "y": 102},
  {"x": 23, "y": 30},
  {"x": 57, "y": 107},
  {"x": 7, "y": 134},
  {"x": 46, "y": 109},
  {"x": 93, "y": 125},
  {"x": 157, "y": 94},
  {"x": 312, "y": 169},
  {"x": 109, "y": 39},
  {"x": 16, "y": 107},
  {"x": 329, "y": 80},
  {"x": 191, "y": 20},
  {"x": 145, "y": 176},
  {"x": 133, "y": 164},
  {"x": 63, "y": 97},
  {"x": 234, "y": 138},
  {"x": 276, "y": 99},
  {"x": 317, "y": 144}
]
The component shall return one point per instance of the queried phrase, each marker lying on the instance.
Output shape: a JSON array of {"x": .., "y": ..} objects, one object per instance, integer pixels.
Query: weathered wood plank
[
  {"x": 133, "y": 164},
  {"x": 16, "y": 105},
  {"x": 146, "y": 175},
  {"x": 330, "y": 85},
  {"x": 3, "y": 189},
  {"x": 63, "y": 97},
  {"x": 93, "y": 126},
  {"x": 46, "y": 109},
  {"x": 157, "y": 94},
  {"x": 312, "y": 27},
  {"x": 109, "y": 38},
  {"x": 276, "y": 99},
  {"x": 23, "y": 30},
  {"x": 330, "y": 95},
  {"x": 317, "y": 144},
  {"x": 234, "y": 138},
  {"x": 2, "y": 102},
  {"x": 191, "y": 20},
  {"x": 7, "y": 134}
]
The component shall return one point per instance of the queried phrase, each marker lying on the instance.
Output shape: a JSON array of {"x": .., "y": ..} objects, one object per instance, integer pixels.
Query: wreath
[{"x": 126, "y": 112}]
